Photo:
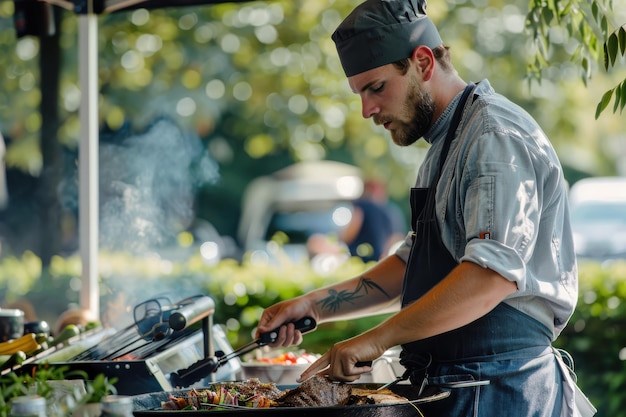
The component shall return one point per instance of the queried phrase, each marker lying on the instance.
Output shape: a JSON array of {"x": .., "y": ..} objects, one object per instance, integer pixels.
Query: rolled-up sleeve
[
  {"x": 515, "y": 221},
  {"x": 501, "y": 205}
]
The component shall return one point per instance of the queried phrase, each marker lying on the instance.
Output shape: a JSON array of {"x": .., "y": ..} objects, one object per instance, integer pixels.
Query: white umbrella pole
[{"x": 88, "y": 161}]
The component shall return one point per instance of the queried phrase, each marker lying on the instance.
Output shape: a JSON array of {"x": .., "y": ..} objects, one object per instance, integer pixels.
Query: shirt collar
[{"x": 439, "y": 128}]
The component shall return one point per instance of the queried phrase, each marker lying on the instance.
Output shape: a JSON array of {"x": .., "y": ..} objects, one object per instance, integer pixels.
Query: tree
[{"x": 596, "y": 36}]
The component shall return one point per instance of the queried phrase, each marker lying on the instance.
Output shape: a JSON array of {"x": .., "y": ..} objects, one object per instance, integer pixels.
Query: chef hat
[{"x": 379, "y": 32}]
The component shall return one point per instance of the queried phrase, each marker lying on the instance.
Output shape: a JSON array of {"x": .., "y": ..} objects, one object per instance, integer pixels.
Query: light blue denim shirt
[{"x": 502, "y": 203}]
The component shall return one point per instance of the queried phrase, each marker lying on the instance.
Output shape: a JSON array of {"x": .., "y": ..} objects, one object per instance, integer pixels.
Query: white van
[
  {"x": 299, "y": 201},
  {"x": 598, "y": 207}
]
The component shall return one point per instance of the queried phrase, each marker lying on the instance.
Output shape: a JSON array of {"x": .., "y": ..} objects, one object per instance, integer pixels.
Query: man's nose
[{"x": 369, "y": 108}]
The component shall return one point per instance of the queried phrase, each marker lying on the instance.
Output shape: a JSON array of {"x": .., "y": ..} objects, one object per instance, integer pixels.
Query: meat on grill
[
  {"x": 254, "y": 386},
  {"x": 251, "y": 393},
  {"x": 317, "y": 391}
]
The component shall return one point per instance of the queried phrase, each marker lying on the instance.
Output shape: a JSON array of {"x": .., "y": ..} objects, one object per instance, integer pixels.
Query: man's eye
[{"x": 378, "y": 88}]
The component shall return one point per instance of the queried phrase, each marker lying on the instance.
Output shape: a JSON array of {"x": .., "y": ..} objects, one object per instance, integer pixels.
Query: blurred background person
[
  {"x": 4, "y": 192},
  {"x": 376, "y": 191},
  {"x": 369, "y": 230},
  {"x": 376, "y": 224}
]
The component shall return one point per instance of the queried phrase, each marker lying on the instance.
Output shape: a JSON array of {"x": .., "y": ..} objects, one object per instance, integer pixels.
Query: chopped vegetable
[
  {"x": 287, "y": 358},
  {"x": 251, "y": 393}
]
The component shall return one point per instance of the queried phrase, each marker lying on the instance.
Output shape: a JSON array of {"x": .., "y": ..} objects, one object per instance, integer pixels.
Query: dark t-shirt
[{"x": 375, "y": 230}]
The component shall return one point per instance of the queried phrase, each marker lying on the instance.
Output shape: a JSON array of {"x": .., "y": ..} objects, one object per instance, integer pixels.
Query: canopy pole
[{"x": 88, "y": 160}]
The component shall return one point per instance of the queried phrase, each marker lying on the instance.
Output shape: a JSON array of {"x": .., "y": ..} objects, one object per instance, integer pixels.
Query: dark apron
[{"x": 429, "y": 262}]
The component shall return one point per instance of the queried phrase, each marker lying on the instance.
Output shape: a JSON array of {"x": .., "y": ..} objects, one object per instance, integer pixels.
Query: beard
[{"x": 417, "y": 115}]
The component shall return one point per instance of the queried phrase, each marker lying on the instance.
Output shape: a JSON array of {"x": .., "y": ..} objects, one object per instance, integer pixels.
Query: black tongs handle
[
  {"x": 305, "y": 324},
  {"x": 195, "y": 372}
]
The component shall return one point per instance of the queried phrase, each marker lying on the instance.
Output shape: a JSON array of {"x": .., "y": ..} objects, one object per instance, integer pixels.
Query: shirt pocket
[{"x": 479, "y": 209}]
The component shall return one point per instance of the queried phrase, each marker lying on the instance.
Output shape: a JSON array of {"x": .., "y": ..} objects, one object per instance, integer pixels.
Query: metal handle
[
  {"x": 464, "y": 384},
  {"x": 187, "y": 315}
]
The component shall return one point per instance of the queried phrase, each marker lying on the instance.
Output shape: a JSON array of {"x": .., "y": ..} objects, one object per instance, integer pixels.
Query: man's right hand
[{"x": 280, "y": 315}]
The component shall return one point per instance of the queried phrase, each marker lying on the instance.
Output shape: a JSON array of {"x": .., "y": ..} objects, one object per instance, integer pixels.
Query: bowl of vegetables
[{"x": 280, "y": 366}]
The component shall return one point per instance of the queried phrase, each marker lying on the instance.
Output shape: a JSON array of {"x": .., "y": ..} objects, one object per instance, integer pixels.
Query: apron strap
[{"x": 454, "y": 124}]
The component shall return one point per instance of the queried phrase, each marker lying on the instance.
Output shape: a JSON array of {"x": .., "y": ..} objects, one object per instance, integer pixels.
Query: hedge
[{"x": 594, "y": 336}]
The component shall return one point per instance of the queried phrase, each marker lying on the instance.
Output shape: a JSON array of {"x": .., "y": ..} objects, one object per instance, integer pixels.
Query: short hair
[{"x": 441, "y": 53}]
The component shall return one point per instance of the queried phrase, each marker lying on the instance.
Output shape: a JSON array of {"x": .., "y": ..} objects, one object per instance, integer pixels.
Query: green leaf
[
  {"x": 594, "y": 10},
  {"x": 606, "y": 99},
  {"x": 612, "y": 46},
  {"x": 621, "y": 35},
  {"x": 618, "y": 98},
  {"x": 566, "y": 13},
  {"x": 586, "y": 70},
  {"x": 557, "y": 14},
  {"x": 547, "y": 15},
  {"x": 577, "y": 54},
  {"x": 621, "y": 107},
  {"x": 606, "y": 57},
  {"x": 582, "y": 29}
]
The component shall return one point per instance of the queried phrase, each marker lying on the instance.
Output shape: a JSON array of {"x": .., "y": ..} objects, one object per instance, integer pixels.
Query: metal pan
[{"x": 149, "y": 405}]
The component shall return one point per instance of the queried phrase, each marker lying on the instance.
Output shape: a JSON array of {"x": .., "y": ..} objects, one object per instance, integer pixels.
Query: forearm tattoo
[{"x": 336, "y": 299}]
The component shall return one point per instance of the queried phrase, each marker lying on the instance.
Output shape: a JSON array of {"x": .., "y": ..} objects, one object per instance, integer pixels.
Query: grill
[{"x": 164, "y": 338}]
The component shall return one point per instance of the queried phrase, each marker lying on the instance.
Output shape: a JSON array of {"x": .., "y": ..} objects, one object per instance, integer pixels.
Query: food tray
[{"x": 279, "y": 374}]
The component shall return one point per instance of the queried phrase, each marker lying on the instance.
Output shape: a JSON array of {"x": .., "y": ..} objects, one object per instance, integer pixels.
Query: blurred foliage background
[{"x": 273, "y": 65}]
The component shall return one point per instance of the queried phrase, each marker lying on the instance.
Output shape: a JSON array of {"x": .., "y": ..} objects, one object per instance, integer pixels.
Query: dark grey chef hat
[{"x": 379, "y": 32}]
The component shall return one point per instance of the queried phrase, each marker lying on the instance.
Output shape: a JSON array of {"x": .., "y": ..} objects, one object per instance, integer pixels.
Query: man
[{"x": 488, "y": 279}]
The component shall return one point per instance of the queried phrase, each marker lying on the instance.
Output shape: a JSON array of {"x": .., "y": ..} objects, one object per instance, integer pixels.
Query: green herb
[{"x": 14, "y": 384}]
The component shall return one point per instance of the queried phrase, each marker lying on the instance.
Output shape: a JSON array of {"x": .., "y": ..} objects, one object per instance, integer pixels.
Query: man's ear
[{"x": 424, "y": 60}]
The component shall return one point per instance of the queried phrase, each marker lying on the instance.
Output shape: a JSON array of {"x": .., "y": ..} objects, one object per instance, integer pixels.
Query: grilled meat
[
  {"x": 314, "y": 392},
  {"x": 254, "y": 386},
  {"x": 251, "y": 393},
  {"x": 372, "y": 396},
  {"x": 317, "y": 391}
]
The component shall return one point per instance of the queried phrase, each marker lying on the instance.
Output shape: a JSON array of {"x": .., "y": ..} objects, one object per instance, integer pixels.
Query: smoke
[{"x": 148, "y": 181}]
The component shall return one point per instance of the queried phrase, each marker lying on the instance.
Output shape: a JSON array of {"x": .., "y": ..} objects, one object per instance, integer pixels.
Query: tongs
[
  {"x": 401, "y": 378},
  {"x": 406, "y": 375},
  {"x": 203, "y": 367}
]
